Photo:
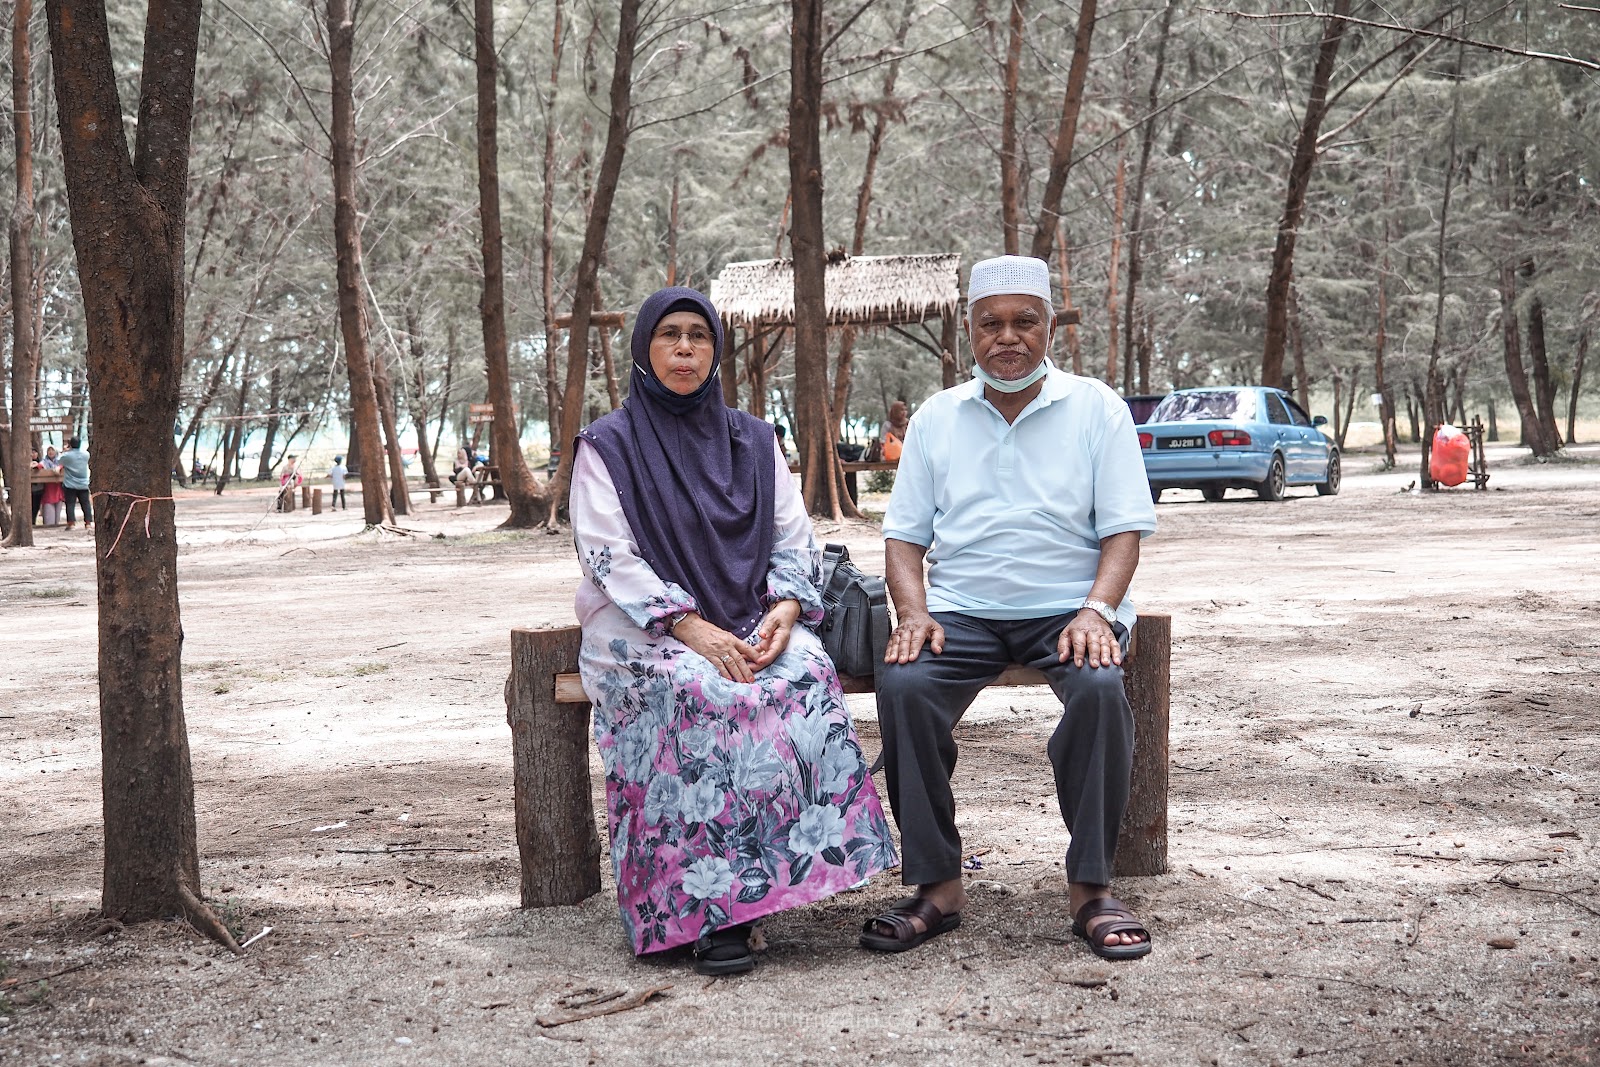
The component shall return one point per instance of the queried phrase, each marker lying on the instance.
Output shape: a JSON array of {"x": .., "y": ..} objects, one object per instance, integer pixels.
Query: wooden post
[
  {"x": 286, "y": 498},
  {"x": 461, "y": 494},
  {"x": 316, "y": 501},
  {"x": 305, "y": 496},
  {"x": 1142, "y": 847},
  {"x": 556, "y": 836}
]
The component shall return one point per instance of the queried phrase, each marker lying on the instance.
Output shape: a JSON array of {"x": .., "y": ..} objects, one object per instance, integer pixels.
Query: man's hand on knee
[
  {"x": 912, "y": 630},
  {"x": 1090, "y": 637}
]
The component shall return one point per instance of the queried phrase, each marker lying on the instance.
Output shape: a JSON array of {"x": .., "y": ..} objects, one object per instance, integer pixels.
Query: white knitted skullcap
[{"x": 1009, "y": 276}]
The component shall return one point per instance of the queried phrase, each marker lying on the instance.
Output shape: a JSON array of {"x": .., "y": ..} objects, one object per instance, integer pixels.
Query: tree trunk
[
  {"x": 1516, "y": 376},
  {"x": 547, "y": 241},
  {"x": 1010, "y": 209},
  {"x": 1305, "y": 157},
  {"x": 418, "y": 400},
  {"x": 233, "y": 431},
  {"x": 76, "y": 401},
  {"x": 1146, "y": 144},
  {"x": 672, "y": 232},
  {"x": 383, "y": 386},
  {"x": 608, "y": 365},
  {"x": 127, "y": 217},
  {"x": 1544, "y": 390},
  {"x": 858, "y": 240},
  {"x": 529, "y": 505},
  {"x": 24, "y": 348},
  {"x": 445, "y": 399},
  {"x": 1044, "y": 233},
  {"x": 375, "y": 504},
  {"x": 1114, "y": 261},
  {"x": 1074, "y": 348},
  {"x": 1380, "y": 345},
  {"x": 274, "y": 394},
  {"x": 1302, "y": 387},
  {"x": 594, "y": 241},
  {"x": 821, "y": 476},
  {"x": 1577, "y": 383},
  {"x": 1343, "y": 425}
]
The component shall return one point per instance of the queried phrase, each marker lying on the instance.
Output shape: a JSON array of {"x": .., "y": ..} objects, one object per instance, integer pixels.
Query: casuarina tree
[{"x": 127, "y": 215}]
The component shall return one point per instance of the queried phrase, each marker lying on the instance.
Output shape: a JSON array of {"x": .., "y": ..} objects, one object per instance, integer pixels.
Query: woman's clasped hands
[{"x": 733, "y": 658}]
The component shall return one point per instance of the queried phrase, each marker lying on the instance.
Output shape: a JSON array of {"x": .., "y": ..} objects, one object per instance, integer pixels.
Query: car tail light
[
  {"x": 1229, "y": 437},
  {"x": 1146, "y": 440}
]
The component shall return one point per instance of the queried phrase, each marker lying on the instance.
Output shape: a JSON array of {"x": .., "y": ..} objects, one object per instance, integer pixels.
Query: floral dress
[{"x": 727, "y": 801}]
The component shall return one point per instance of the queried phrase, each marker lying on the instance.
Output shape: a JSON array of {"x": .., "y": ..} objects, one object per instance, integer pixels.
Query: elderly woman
[{"x": 734, "y": 781}]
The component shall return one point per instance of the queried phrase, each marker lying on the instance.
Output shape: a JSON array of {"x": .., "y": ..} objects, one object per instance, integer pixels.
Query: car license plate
[{"x": 1180, "y": 442}]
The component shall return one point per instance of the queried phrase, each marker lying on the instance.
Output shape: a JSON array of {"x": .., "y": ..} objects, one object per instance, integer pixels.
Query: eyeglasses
[{"x": 671, "y": 335}]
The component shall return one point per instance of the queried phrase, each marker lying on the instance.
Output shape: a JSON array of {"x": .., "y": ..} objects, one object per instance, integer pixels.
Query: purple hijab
[{"x": 695, "y": 477}]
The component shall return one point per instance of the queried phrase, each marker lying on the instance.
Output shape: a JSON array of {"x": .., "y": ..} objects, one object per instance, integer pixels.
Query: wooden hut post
[
  {"x": 730, "y": 366},
  {"x": 949, "y": 338},
  {"x": 556, "y": 836},
  {"x": 1142, "y": 846}
]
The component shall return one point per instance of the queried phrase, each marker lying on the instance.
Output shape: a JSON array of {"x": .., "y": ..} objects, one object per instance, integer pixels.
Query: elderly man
[{"x": 1026, "y": 492}]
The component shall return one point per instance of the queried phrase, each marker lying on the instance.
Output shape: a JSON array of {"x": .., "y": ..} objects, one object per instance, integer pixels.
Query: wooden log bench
[{"x": 559, "y": 844}]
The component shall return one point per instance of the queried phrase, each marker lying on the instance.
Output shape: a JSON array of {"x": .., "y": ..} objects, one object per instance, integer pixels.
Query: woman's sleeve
[
  {"x": 610, "y": 556},
  {"x": 795, "y": 571}
]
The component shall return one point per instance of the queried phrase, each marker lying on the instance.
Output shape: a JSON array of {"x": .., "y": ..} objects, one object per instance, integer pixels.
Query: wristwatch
[{"x": 1102, "y": 609}]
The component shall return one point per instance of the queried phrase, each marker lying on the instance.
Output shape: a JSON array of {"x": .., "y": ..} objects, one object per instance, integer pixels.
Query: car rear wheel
[
  {"x": 1329, "y": 486},
  {"x": 1272, "y": 488},
  {"x": 1213, "y": 493}
]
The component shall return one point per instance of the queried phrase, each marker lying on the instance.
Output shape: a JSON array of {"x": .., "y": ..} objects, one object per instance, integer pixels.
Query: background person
[
  {"x": 35, "y": 488},
  {"x": 336, "y": 475},
  {"x": 52, "y": 501},
  {"x": 894, "y": 431},
  {"x": 74, "y": 463},
  {"x": 735, "y": 786}
]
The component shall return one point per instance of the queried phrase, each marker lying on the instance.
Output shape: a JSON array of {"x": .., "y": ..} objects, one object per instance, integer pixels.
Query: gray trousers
[{"x": 1091, "y": 751}]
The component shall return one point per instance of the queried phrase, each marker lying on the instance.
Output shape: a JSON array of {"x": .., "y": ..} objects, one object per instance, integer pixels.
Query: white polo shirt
[{"x": 1012, "y": 514}]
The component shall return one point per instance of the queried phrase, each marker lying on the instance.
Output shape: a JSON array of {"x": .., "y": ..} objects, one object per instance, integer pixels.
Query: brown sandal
[
  {"x": 1119, "y": 921},
  {"x": 894, "y": 931}
]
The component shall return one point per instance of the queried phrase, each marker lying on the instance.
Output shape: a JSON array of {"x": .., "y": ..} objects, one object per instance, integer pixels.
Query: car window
[
  {"x": 1204, "y": 404},
  {"x": 1276, "y": 412},
  {"x": 1297, "y": 414}
]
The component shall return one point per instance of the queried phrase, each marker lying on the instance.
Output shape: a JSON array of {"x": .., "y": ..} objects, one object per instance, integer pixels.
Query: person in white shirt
[
  {"x": 1025, "y": 492},
  {"x": 337, "y": 474}
]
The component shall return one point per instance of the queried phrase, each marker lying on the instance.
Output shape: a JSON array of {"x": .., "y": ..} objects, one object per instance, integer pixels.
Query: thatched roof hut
[{"x": 862, "y": 291}]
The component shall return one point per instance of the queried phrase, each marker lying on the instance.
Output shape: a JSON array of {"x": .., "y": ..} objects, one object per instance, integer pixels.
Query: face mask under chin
[{"x": 1016, "y": 386}]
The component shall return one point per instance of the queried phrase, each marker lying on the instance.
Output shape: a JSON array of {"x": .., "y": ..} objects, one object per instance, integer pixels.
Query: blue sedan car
[{"x": 1237, "y": 437}]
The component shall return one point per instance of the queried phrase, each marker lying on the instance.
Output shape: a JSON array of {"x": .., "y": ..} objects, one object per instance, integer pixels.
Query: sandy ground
[{"x": 1384, "y": 764}]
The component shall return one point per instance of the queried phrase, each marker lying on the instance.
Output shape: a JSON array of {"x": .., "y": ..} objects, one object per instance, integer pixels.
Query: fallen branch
[
  {"x": 10, "y": 982},
  {"x": 424, "y": 885},
  {"x": 1562, "y": 894},
  {"x": 398, "y": 851},
  {"x": 611, "y": 1007},
  {"x": 1306, "y": 887}
]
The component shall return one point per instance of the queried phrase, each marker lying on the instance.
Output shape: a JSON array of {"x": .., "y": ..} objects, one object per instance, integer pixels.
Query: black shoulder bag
[{"x": 855, "y": 614}]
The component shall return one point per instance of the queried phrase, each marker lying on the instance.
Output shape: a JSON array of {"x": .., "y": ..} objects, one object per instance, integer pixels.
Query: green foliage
[{"x": 710, "y": 115}]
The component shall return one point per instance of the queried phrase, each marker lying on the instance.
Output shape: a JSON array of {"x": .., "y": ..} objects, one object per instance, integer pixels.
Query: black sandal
[
  {"x": 893, "y": 931},
  {"x": 1119, "y": 921},
  {"x": 724, "y": 951}
]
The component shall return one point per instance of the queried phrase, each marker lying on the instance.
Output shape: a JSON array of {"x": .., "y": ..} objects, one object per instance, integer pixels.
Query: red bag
[{"x": 1447, "y": 462}]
